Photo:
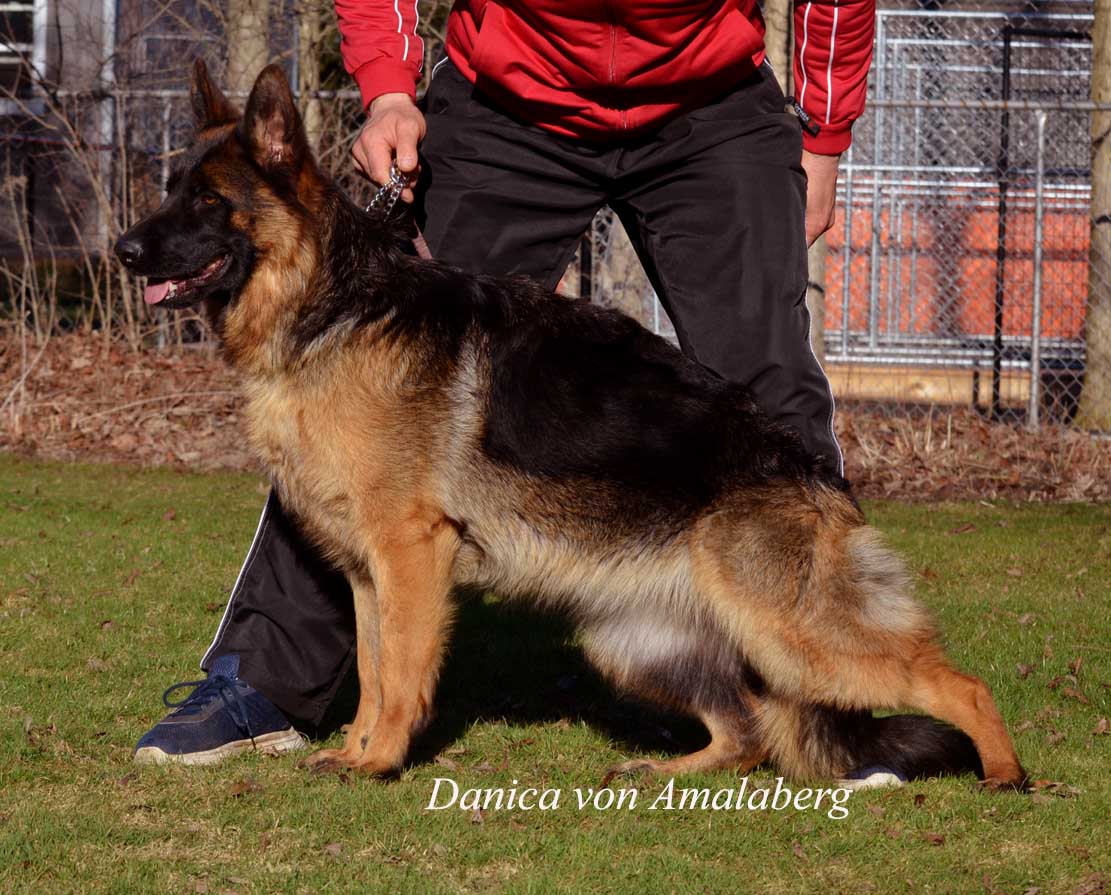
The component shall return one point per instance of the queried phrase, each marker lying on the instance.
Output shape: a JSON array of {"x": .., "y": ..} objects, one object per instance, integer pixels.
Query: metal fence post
[
  {"x": 847, "y": 251},
  {"x": 1036, "y": 312},
  {"x": 877, "y": 197}
]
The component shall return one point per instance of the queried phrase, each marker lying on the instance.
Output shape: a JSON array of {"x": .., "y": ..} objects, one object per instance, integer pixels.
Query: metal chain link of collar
[{"x": 386, "y": 197}]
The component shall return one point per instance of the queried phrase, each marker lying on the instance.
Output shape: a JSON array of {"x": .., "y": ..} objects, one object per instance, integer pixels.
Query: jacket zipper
[{"x": 613, "y": 57}]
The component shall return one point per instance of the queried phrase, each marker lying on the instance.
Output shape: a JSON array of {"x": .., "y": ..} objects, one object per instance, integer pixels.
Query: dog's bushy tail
[
  {"x": 881, "y": 633},
  {"x": 812, "y": 741}
]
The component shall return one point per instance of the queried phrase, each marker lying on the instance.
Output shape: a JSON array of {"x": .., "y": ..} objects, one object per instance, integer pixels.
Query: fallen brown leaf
[
  {"x": 1095, "y": 884},
  {"x": 1055, "y": 788},
  {"x": 244, "y": 787}
]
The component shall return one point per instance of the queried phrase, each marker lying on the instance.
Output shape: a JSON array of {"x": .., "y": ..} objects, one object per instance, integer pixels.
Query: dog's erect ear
[
  {"x": 271, "y": 124},
  {"x": 210, "y": 106}
]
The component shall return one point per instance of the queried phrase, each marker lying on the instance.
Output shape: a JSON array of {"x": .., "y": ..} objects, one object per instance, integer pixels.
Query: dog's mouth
[{"x": 178, "y": 291}]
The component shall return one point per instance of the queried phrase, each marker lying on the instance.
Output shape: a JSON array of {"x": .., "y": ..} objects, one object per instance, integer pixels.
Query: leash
[{"x": 386, "y": 198}]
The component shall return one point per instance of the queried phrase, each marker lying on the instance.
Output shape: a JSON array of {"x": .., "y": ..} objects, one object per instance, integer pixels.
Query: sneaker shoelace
[{"x": 216, "y": 685}]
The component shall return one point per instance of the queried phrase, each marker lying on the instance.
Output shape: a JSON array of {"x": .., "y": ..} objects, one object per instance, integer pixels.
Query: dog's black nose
[{"x": 129, "y": 250}]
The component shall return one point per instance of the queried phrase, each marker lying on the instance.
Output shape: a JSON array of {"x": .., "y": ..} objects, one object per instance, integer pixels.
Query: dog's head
[{"x": 236, "y": 197}]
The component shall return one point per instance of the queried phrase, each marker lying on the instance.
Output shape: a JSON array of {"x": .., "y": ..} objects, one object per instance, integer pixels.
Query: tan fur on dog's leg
[
  {"x": 370, "y": 690},
  {"x": 730, "y": 747},
  {"x": 413, "y": 569},
  {"x": 966, "y": 702}
]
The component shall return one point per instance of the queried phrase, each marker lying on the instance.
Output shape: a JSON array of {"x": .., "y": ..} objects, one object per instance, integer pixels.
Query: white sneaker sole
[
  {"x": 275, "y": 743},
  {"x": 878, "y": 780}
]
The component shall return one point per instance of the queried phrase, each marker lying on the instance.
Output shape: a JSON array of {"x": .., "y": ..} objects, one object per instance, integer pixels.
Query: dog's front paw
[
  {"x": 328, "y": 760},
  {"x": 334, "y": 761}
]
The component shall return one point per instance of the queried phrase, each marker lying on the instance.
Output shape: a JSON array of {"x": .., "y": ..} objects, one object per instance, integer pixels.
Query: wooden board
[{"x": 925, "y": 384}]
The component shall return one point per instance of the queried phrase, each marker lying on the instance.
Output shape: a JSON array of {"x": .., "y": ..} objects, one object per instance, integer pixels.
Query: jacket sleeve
[
  {"x": 833, "y": 52},
  {"x": 380, "y": 46}
]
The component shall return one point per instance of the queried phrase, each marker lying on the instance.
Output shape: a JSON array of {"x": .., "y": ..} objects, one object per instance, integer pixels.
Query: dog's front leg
[
  {"x": 400, "y": 643},
  {"x": 367, "y": 644}
]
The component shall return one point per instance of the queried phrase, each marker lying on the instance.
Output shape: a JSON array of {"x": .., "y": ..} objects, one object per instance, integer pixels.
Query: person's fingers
[
  {"x": 407, "y": 193},
  {"x": 360, "y": 155},
  {"x": 380, "y": 157},
  {"x": 408, "y": 136}
]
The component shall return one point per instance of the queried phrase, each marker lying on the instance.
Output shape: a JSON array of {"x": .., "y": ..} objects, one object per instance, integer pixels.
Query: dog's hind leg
[
  {"x": 734, "y": 744},
  {"x": 413, "y": 564},
  {"x": 966, "y": 702},
  {"x": 685, "y": 668},
  {"x": 825, "y": 614}
]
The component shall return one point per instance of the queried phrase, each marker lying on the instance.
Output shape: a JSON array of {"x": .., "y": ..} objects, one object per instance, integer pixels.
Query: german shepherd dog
[{"x": 432, "y": 430}]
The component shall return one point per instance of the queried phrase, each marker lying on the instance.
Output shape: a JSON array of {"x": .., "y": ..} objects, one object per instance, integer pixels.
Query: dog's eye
[{"x": 209, "y": 199}]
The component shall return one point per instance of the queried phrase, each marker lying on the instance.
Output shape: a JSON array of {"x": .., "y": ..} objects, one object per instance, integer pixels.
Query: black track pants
[{"x": 714, "y": 204}]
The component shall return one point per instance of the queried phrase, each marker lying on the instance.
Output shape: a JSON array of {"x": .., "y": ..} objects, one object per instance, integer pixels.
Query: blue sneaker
[
  {"x": 222, "y": 716},
  {"x": 871, "y": 777}
]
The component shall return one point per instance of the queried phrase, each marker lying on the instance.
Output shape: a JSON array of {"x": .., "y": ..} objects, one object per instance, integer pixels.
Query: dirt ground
[{"x": 76, "y": 398}]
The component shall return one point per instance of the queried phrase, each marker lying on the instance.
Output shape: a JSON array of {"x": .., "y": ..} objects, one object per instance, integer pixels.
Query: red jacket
[{"x": 596, "y": 69}]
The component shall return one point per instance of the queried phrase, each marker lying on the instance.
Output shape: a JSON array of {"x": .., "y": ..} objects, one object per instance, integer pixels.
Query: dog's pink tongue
[{"x": 155, "y": 292}]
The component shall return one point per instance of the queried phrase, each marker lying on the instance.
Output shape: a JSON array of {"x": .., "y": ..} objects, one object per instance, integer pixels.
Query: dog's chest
[{"x": 287, "y": 434}]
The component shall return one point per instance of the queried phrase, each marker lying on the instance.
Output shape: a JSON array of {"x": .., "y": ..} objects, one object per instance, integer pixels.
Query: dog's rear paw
[
  {"x": 1016, "y": 783},
  {"x": 639, "y": 770}
]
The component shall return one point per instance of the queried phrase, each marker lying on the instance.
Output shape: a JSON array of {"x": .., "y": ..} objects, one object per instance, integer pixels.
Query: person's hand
[
  {"x": 392, "y": 133},
  {"x": 821, "y": 193}
]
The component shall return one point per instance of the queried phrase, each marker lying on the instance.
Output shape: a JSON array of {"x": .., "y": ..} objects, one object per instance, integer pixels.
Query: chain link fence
[{"x": 958, "y": 272}]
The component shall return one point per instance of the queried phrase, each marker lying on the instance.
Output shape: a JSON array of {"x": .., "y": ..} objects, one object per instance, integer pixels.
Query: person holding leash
[{"x": 539, "y": 114}]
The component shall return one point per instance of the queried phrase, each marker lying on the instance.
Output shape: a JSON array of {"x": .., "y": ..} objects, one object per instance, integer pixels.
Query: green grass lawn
[{"x": 112, "y": 582}]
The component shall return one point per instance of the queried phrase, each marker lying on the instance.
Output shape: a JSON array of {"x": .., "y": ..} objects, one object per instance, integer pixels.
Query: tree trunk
[
  {"x": 777, "y": 40},
  {"x": 816, "y": 298},
  {"x": 1095, "y": 400},
  {"x": 309, "y": 47},
  {"x": 248, "y": 42},
  {"x": 619, "y": 279}
]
